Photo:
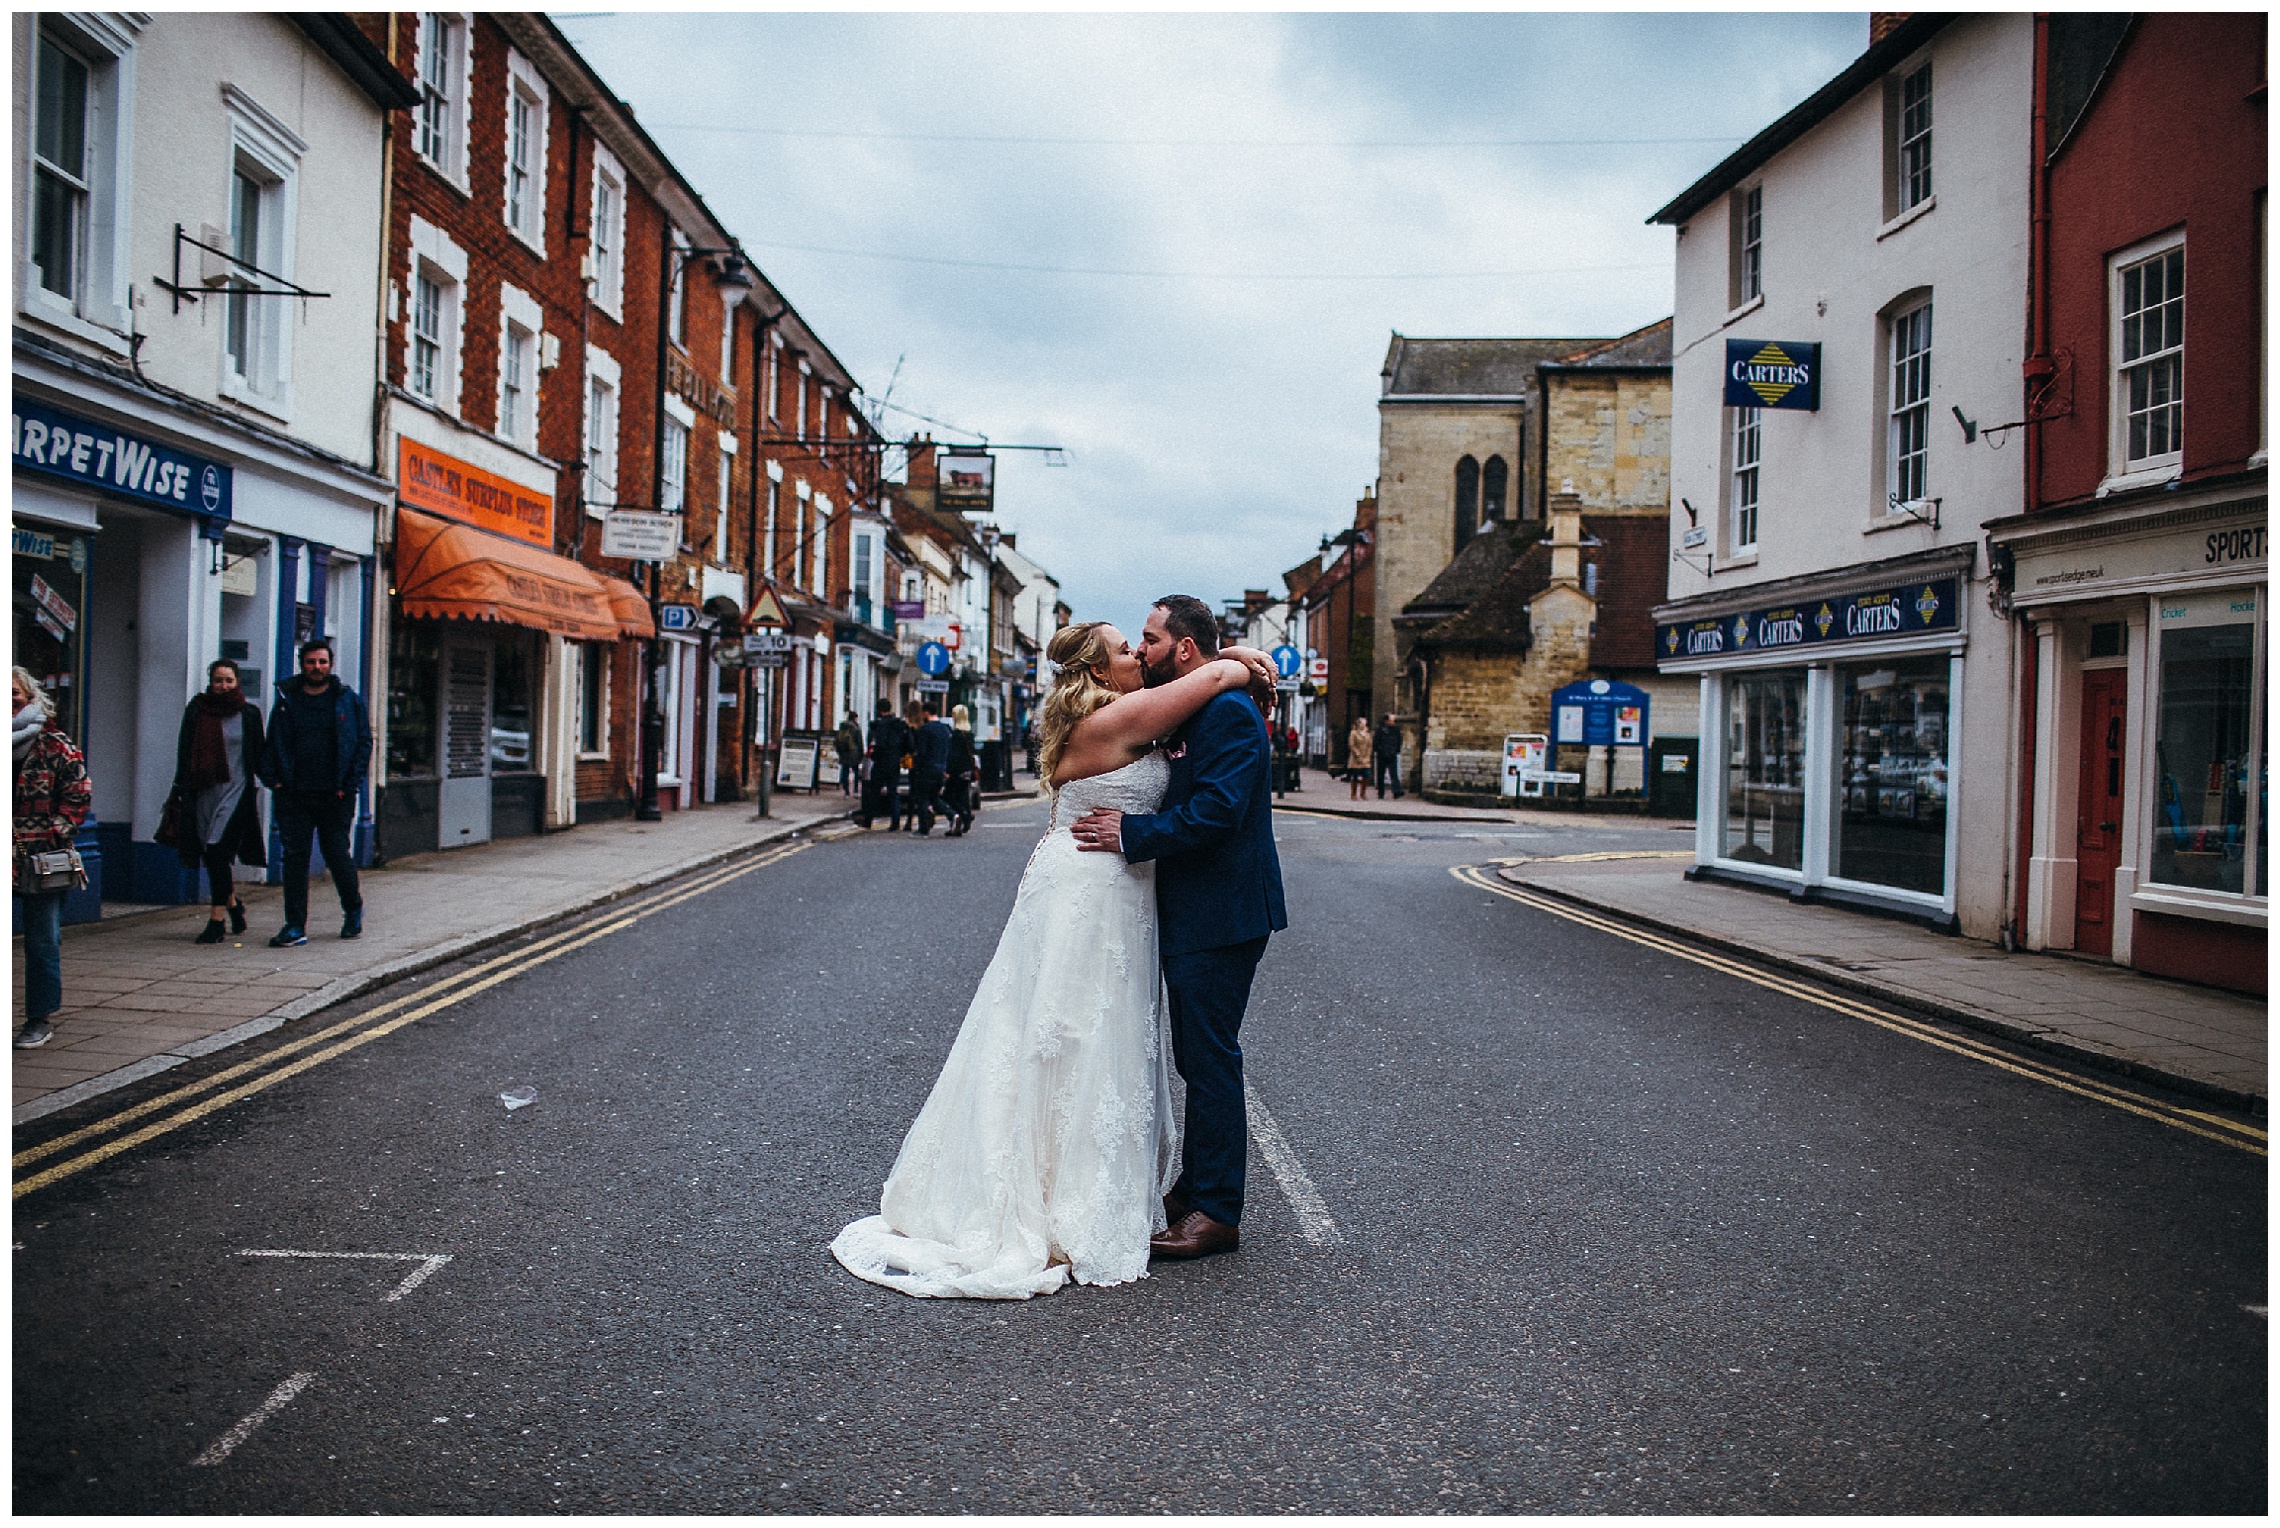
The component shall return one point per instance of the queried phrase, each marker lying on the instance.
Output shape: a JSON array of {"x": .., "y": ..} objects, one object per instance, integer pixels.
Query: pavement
[
  {"x": 140, "y": 998},
  {"x": 2199, "y": 1040},
  {"x": 1328, "y": 793},
  {"x": 1540, "y": 1219}
]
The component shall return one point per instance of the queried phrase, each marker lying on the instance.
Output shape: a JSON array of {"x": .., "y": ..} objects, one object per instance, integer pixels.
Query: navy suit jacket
[{"x": 1218, "y": 881}]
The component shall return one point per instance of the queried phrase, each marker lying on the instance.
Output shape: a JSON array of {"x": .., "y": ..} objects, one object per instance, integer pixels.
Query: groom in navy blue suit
[{"x": 1219, "y": 895}]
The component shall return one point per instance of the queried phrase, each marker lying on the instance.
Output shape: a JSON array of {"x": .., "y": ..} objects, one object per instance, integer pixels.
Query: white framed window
[
  {"x": 438, "y": 283},
  {"x": 602, "y": 384},
  {"x": 1748, "y": 213},
  {"x": 1742, "y": 485},
  {"x": 1908, "y": 407},
  {"x": 525, "y": 199},
  {"x": 800, "y": 402},
  {"x": 605, "y": 218},
  {"x": 728, "y": 345},
  {"x": 2148, "y": 305},
  {"x": 799, "y": 558},
  {"x": 823, "y": 413},
  {"x": 822, "y": 584},
  {"x": 77, "y": 223},
  {"x": 521, "y": 322},
  {"x": 257, "y": 331},
  {"x": 775, "y": 359},
  {"x": 673, "y": 464},
  {"x": 866, "y": 567},
  {"x": 722, "y": 504},
  {"x": 677, "y": 297},
  {"x": 1908, "y": 140},
  {"x": 444, "y": 66}
]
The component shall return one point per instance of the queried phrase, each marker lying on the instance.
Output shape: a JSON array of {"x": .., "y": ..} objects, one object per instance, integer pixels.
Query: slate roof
[
  {"x": 1498, "y": 619},
  {"x": 1479, "y": 368},
  {"x": 1648, "y": 346},
  {"x": 1473, "y": 572},
  {"x": 1493, "y": 612}
]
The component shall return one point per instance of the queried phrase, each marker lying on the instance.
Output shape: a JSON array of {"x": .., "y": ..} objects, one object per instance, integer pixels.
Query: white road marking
[
  {"x": 1314, "y": 1220},
  {"x": 279, "y": 1398},
  {"x": 2264, "y": 1311},
  {"x": 429, "y": 1262}
]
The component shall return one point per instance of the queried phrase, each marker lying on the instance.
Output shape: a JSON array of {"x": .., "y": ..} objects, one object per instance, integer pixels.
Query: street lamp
[{"x": 736, "y": 277}]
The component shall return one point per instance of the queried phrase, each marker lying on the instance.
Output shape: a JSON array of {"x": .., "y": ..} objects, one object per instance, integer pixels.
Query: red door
[{"x": 2098, "y": 820}]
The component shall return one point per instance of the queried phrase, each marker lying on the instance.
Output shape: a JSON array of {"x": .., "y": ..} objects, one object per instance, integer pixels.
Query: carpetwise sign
[
  {"x": 1907, "y": 610},
  {"x": 116, "y": 464}
]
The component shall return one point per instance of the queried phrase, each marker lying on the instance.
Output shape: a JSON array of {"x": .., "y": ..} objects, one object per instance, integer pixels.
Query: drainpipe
[{"x": 2026, "y": 685}]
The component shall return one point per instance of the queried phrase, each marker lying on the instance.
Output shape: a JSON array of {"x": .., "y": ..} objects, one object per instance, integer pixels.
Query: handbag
[
  {"x": 45, "y": 870},
  {"x": 169, "y": 834}
]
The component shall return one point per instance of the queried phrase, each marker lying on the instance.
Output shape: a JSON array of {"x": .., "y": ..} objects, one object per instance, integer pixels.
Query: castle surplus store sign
[
  {"x": 1909, "y": 610},
  {"x": 116, "y": 464}
]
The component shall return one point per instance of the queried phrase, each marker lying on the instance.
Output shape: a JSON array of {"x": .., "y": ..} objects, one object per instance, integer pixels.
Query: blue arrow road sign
[
  {"x": 933, "y": 659},
  {"x": 1288, "y": 661}
]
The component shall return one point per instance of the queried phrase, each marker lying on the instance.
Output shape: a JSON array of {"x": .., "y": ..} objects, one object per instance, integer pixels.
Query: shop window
[
  {"x": 2149, "y": 361},
  {"x": 1908, "y": 403},
  {"x": 525, "y": 201},
  {"x": 2209, "y": 765},
  {"x": 412, "y": 654},
  {"x": 440, "y": 132},
  {"x": 1765, "y": 770},
  {"x": 594, "y": 697},
  {"x": 1747, "y": 212},
  {"x": 514, "y": 690},
  {"x": 1742, "y": 485},
  {"x": 50, "y": 597},
  {"x": 1893, "y": 792}
]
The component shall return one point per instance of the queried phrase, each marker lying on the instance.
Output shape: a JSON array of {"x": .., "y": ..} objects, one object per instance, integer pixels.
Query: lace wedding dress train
[{"x": 1043, "y": 1153}]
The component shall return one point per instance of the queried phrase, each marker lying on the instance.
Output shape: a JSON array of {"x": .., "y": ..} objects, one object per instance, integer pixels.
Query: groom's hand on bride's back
[{"x": 1101, "y": 830}]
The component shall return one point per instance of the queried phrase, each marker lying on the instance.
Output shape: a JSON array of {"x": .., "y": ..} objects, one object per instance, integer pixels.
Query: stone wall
[{"x": 1610, "y": 437}]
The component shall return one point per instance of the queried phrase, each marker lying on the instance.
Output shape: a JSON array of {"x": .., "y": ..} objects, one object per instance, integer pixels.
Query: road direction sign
[
  {"x": 1288, "y": 661},
  {"x": 769, "y": 639},
  {"x": 933, "y": 659},
  {"x": 643, "y": 536},
  {"x": 933, "y": 687},
  {"x": 677, "y": 617}
]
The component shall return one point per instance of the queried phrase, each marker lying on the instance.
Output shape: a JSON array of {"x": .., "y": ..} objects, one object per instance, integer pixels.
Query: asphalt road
[{"x": 1572, "y": 1226}]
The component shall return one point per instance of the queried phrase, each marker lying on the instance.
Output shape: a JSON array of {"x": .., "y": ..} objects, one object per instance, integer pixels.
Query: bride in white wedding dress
[{"x": 1044, "y": 1151}]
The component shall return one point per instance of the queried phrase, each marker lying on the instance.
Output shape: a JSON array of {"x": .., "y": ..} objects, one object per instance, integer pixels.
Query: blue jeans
[
  {"x": 43, "y": 953},
  {"x": 330, "y": 820},
  {"x": 1209, "y": 991}
]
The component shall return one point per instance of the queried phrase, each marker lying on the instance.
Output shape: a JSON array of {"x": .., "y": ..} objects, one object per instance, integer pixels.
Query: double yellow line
[
  {"x": 2211, "y": 1127},
  {"x": 322, "y": 1045}
]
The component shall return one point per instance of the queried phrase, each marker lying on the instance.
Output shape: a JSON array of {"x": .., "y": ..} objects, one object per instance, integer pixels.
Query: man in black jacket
[
  {"x": 1385, "y": 748},
  {"x": 890, "y": 740},
  {"x": 929, "y": 764},
  {"x": 318, "y": 748}
]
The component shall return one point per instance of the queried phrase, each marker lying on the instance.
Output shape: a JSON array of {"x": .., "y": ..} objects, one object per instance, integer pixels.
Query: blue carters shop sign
[
  {"x": 116, "y": 464},
  {"x": 1910, "y": 610},
  {"x": 1773, "y": 374}
]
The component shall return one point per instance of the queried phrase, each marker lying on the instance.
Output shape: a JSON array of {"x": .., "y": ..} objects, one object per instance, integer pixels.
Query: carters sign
[
  {"x": 1909, "y": 610},
  {"x": 1773, "y": 374},
  {"x": 448, "y": 486},
  {"x": 118, "y": 465}
]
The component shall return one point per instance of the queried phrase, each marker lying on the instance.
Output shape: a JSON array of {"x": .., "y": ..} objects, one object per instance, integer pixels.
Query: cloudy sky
[{"x": 1176, "y": 245}]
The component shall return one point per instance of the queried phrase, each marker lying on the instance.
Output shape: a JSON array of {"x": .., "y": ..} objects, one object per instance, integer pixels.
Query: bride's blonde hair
[{"x": 1080, "y": 657}]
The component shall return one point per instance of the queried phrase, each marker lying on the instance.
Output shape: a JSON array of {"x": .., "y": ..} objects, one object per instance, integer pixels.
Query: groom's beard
[{"x": 1153, "y": 674}]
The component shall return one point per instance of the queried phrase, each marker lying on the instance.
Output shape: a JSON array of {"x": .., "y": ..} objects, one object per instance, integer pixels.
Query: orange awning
[
  {"x": 630, "y": 607},
  {"x": 450, "y": 571}
]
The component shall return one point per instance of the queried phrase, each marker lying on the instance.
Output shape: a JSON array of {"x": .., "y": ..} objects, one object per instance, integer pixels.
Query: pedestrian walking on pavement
[
  {"x": 51, "y": 801},
  {"x": 1358, "y": 747},
  {"x": 890, "y": 740},
  {"x": 847, "y": 742},
  {"x": 314, "y": 761},
  {"x": 218, "y": 813},
  {"x": 961, "y": 793},
  {"x": 930, "y": 766},
  {"x": 1385, "y": 749}
]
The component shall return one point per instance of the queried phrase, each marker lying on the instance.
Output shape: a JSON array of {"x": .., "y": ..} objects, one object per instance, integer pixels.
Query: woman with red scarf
[{"x": 213, "y": 778}]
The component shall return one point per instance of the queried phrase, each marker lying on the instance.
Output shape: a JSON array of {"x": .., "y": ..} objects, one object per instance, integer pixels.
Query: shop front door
[
  {"x": 464, "y": 797},
  {"x": 2098, "y": 810}
]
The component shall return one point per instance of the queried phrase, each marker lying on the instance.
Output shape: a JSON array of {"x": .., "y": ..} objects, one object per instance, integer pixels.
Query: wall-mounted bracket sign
[
  {"x": 641, "y": 535},
  {"x": 116, "y": 464},
  {"x": 1908, "y": 610},
  {"x": 1773, "y": 374}
]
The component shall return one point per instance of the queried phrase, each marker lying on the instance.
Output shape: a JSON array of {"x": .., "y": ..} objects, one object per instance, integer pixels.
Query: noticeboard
[
  {"x": 797, "y": 761},
  {"x": 1600, "y": 713}
]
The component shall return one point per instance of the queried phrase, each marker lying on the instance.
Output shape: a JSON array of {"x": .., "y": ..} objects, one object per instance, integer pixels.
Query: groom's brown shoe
[
  {"x": 1175, "y": 1209},
  {"x": 1195, "y": 1234}
]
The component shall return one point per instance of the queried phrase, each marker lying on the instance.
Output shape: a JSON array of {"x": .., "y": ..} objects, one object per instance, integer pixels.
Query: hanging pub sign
[
  {"x": 1909, "y": 610},
  {"x": 445, "y": 485},
  {"x": 119, "y": 465},
  {"x": 965, "y": 481},
  {"x": 1773, "y": 374}
]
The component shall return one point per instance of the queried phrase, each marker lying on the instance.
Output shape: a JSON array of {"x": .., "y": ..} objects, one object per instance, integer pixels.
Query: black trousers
[
  {"x": 330, "y": 819},
  {"x": 925, "y": 788},
  {"x": 882, "y": 796},
  {"x": 1209, "y": 991},
  {"x": 217, "y": 859},
  {"x": 1388, "y": 770}
]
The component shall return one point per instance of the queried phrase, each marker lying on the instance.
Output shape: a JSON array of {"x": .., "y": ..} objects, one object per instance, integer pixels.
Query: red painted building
[{"x": 2137, "y": 573}]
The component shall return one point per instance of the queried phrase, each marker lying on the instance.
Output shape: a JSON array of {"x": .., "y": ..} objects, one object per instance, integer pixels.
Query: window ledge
[
  {"x": 536, "y": 246},
  {"x": 1904, "y": 219},
  {"x": 1878, "y": 523},
  {"x": 38, "y": 305},
  {"x": 1745, "y": 310},
  {"x": 2212, "y": 907},
  {"x": 455, "y": 182},
  {"x": 2143, "y": 477},
  {"x": 278, "y": 405},
  {"x": 600, "y": 756},
  {"x": 1738, "y": 560}
]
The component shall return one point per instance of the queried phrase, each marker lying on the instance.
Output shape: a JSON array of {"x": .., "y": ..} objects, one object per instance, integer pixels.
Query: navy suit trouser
[{"x": 1209, "y": 991}]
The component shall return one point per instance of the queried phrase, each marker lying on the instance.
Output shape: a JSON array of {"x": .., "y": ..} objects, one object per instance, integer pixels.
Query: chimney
[
  {"x": 1881, "y": 24},
  {"x": 1567, "y": 539}
]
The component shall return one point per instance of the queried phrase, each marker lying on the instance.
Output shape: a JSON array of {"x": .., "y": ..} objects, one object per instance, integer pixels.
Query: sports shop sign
[
  {"x": 116, "y": 464},
  {"x": 1908, "y": 610}
]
